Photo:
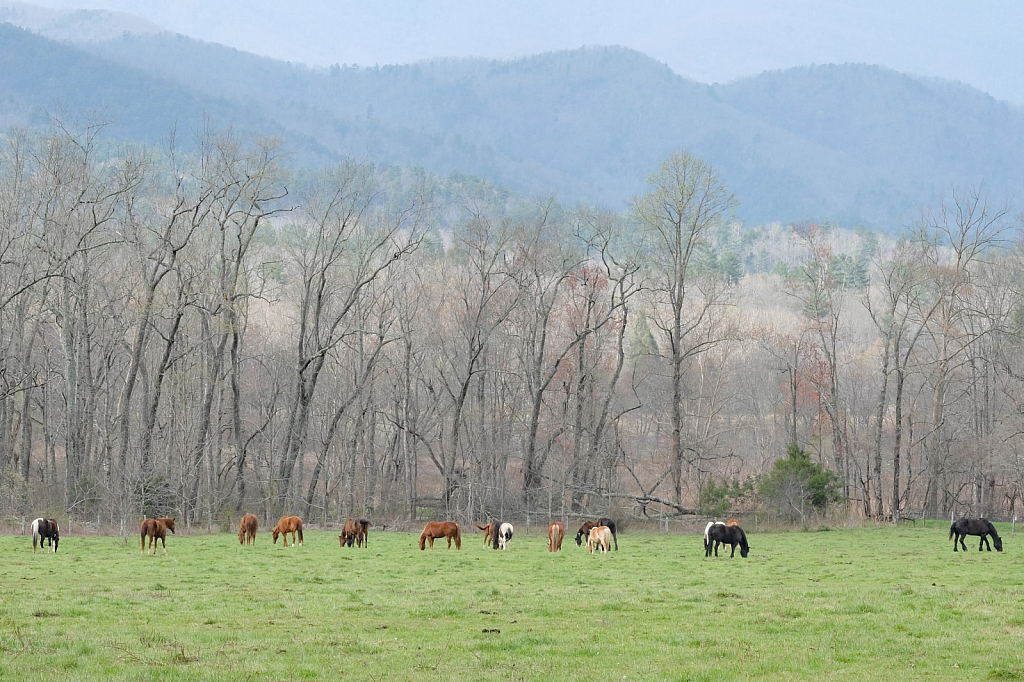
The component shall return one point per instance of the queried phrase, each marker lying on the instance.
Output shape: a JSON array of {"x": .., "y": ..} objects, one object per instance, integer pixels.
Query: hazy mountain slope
[{"x": 851, "y": 143}]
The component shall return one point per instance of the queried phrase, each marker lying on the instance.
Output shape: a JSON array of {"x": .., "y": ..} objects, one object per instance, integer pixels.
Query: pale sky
[{"x": 975, "y": 42}]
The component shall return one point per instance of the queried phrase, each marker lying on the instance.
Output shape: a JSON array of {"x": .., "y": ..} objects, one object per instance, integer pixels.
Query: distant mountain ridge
[{"x": 849, "y": 143}]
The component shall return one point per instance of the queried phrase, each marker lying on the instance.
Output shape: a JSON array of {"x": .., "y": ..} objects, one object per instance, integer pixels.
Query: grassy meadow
[{"x": 862, "y": 604}]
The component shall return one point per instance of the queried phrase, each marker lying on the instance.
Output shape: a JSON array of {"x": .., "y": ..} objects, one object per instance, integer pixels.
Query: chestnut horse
[
  {"x": 355, "y": 532},
  {"x": 556, "y": 531},
  {"x": 247, "y": 529},
  {"x": 45, "y": 529},
  {"x": 585, "y": 529},
  {"x": 155, "y": 529},
  {"x": 289, "y": 524},
  {"x": 441, "y": 529},
  {"x": 488, "y": 530},
  {"x": 600, "y": 536}
]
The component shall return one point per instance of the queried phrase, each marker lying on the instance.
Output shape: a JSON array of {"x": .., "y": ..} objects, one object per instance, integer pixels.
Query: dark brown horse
[
  {"x": 289, "y": 524},
  {"x": 45, "y": 529},
  {"x": 584, "y": 532},
  {"x": 964, "y": 527},
  {"x": 247, "y": 529},
  {"x": 155, "y": 529},
  {"x": 363, "y": 533},
  {"x": 556, "y": 531},
  {"x": 441, "y": 529}
]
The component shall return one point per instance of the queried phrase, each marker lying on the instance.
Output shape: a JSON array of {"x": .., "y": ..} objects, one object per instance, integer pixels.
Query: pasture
[{"x": 863, "y": 604}]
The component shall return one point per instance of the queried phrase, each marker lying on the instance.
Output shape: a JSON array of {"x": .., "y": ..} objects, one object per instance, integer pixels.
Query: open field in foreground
[{"x": 867, "y": 604}]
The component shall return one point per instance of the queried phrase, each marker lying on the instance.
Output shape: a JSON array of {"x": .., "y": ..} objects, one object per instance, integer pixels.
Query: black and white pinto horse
[
  {"x": 45, "y": 529},
  {"x": 964, "y": 527},
  {"x": 721, "y": 534},
  {"x": 503, "y": 535}
]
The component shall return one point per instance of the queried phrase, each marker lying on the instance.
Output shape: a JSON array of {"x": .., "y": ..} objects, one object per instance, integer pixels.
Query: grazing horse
[
  {"x": 600, "y": 536},
  {"x": 247, "y": 529},
  {"x": 363, "y": 535},
  {"x": 488, "y": 530},
  {"x": 45, "y": 529},
  {"x": 441, "y": 529},
  {"x": 585, "y": 529},
  {"x": 348, "y": 534},
  {"x": 503, "y": 536},
  {"x": 289, "y": 524},
  {"x": 964, "y": 527},
  {"x": 155, "y": 529},
  {"x": 556, "y": 531},
  {"x": 707, "y": 540},
  {"x": 719, "y": 533}
]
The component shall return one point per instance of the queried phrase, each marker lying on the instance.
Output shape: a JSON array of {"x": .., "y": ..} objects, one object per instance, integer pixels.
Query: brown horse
[
  {"x": 355, "y": 532},
  {"x": 441, "y": 529},
  {"x": 488, "y": 530},
  {"x": 732, "y": 522},
  {"x": 556, "y": 531},
  {"x": 43, "y": 530},
  {"x": 600, "y": 536},
  {"x": 155, "y": 529},
  {"x": 289, "y": 524},
  {"x": 363, "y": 534},
  {"x": 584, "y": 531},
  {"x": 247, "y": 529}
]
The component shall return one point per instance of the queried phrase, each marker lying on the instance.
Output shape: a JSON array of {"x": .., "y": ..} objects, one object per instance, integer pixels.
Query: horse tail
[
  {"x": 35, "y": 534},
  {"x": 299, "y": 529},
  {"x": 458, "y": 537},
  {"x": 952, "y": 529}
]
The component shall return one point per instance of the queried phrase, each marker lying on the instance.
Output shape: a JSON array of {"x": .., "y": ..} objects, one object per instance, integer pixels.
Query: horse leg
[
  {"x": 984, "y": 540},
  {"x": 733, "y": 553},
  {"x": 164, "y": 541}
]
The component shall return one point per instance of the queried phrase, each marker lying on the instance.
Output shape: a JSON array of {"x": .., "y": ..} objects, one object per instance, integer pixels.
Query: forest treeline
[{"x": 202, "y": 331}]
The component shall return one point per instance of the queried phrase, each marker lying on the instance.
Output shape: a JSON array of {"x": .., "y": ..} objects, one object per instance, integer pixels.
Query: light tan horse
[
  {"x": 247, "y": 529},
  {"x": 289, "y": 524},
  {"x": 600, "y": 536},
  {"x": 556, "y": 531},
  {"x": 155, "y": 529},
  {"x": 441, "y": 529}
]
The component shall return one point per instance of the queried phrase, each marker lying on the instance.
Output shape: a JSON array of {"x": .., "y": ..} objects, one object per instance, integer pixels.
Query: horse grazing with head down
[
  {"x": 556, "y": 531},
  {"x": 348, "y": 533},
  {"x": 441, "y": 529},
  {"x": 721, "y": 534},
  {"x": 600, "y": 536},
  {"x": 585, "y": 529},
  {"x": 43, "y": 530},
  {"x": 289, "y": 524},
  {"x": 247, "y": 529},
  {"x": 964, "y": 527},
  {"x": 503, "y": 536},
  {"x": 155, "y": 529}
]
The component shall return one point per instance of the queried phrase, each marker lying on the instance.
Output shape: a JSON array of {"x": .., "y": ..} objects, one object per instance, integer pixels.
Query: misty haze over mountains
[{"x": 850, "y": 143}]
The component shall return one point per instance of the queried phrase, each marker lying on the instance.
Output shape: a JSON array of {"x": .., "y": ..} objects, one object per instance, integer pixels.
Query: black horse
[
  {"x": 584, "y": 532},
  {"x": 727, "y": 535},
  {"x": 45, "y": 529},
  {"x": 964, "y": 527}
]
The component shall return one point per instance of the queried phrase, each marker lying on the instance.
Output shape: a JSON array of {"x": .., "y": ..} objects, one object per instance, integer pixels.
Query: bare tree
[{"x": 686, "y": 200}]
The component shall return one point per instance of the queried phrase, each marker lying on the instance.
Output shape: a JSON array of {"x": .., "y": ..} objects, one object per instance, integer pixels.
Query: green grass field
[{"x": 866, "y": 604}]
